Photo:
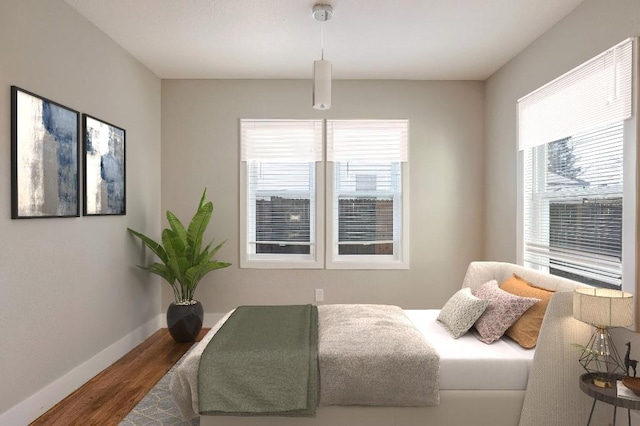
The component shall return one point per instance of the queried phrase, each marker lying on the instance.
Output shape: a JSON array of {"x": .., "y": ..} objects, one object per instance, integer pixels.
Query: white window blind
[
  {"x": 280, "y": 159},
  {"x": 573, "y": 206},
  {"x": 281, "y": 140},
  {"x": 367, "y": 140},
  {"x": 367, "y": 186},
  {"x": 596, "y": 93}
]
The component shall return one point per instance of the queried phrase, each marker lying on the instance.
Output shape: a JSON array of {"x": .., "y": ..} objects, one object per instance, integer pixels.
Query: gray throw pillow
[{"x": 461, "y": 311}]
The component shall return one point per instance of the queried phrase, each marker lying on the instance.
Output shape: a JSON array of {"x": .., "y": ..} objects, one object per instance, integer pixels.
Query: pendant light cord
[{"x": 322, "y": 40}]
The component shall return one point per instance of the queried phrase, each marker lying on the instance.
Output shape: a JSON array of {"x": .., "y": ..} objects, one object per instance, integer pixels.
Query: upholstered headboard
[
  {"x": 553, "y": 395},
  {"x": 479, "y": 273}
]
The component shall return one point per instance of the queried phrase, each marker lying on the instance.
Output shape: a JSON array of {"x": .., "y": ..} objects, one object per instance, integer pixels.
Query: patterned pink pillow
[{"x": 505, "y": 309}]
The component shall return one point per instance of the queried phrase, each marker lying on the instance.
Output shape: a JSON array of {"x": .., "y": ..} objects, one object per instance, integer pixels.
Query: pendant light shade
[
  {"x": 322, "y": 84},
  {"x": 322, "y": 69}
]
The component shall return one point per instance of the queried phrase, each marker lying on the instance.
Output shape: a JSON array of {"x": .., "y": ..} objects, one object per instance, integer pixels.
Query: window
[
  {"x": 368, "y": 160},
  {"x": 578, "y": 151},
  {"x": 278, "y": 189},
  {"x": 573, "y": 222},
  {"x": 283, "y": 217}
]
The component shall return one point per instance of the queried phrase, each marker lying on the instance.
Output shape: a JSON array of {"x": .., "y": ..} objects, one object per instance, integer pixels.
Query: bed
[{"x": 500, "y": 384}]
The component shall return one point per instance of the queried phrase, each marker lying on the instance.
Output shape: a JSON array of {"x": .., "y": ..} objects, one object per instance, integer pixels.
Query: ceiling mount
[{"x": 322, "y": 12}]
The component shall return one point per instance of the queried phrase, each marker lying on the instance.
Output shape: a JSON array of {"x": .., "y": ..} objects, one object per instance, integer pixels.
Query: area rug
[{"x": 157, "y": 407}]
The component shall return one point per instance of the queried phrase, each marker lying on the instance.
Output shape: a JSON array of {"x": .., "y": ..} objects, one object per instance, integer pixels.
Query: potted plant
[{"x": 183, "y": 263}]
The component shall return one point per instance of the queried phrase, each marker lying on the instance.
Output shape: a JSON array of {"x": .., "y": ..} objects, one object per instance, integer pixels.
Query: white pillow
[{"x": 461, "y": 311}]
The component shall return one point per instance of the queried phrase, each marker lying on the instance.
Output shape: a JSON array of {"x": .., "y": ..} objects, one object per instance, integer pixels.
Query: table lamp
[{"x": 603, "y": 308}]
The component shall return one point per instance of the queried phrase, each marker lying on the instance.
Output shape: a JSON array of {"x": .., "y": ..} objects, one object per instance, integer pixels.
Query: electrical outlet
[{"x": 319, "y": 295}]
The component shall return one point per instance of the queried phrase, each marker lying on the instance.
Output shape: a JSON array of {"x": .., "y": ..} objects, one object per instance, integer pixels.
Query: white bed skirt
[{"x": 457, "y": 408}]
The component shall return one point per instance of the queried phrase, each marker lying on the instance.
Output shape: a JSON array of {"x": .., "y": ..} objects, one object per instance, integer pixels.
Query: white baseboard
[{"x": 37, "y": 404}]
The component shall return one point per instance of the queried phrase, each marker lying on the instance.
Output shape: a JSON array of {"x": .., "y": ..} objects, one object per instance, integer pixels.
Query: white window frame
[
  {"x": 250, "y": 259},
  {"x": 323, "y": 249},
  {"x": 368, "y": 141},
  {"x": 400, "y": 258}
]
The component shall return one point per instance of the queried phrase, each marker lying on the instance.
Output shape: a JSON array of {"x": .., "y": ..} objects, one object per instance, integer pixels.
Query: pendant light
[{"x": 322, "y": 68}]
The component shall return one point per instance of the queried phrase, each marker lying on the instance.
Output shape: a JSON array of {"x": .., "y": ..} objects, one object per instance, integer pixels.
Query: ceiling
[{"x": 365, "y": 39}]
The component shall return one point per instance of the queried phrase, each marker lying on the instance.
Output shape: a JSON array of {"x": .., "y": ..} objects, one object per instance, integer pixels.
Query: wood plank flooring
[{"x": 107, "y": 398}]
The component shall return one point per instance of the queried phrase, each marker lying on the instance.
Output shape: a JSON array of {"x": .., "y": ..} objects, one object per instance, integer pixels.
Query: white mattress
[{"x": 468, "y": 364}]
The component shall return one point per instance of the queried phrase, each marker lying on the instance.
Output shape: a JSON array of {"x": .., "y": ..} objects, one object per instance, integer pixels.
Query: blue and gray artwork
[
  {"x": 105, "y": 174},
  {"x": 47, "y": 158}
]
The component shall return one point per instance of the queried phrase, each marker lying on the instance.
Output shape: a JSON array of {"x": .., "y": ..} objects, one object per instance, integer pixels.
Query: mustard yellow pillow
[{"x": 526, "y": 329}]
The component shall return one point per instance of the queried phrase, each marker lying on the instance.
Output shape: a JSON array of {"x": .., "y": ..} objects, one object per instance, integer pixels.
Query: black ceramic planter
[{"x": 185, "y": 321}]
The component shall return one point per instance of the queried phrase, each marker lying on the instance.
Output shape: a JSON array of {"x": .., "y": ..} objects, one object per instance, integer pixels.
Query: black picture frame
[
  {"x": 45, "y": 157},
  {"x": 104, "y": 173}
]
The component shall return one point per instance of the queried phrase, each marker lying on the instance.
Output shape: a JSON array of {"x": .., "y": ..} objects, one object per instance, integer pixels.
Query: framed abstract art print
[
  {"x": 44, "y": 157},
  {"x": 104, "y": 168}
]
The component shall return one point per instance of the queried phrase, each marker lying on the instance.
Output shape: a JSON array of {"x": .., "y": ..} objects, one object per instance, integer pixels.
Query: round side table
[{"x": 608, "y": 396}]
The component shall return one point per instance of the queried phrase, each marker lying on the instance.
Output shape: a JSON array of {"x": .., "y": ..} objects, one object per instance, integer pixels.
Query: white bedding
[
  {"x": 465, "y": 363},
  {"x": 468, "y": 364}
]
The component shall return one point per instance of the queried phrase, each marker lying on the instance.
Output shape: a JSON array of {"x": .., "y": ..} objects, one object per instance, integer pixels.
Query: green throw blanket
[{"x": 262, "y": 362}]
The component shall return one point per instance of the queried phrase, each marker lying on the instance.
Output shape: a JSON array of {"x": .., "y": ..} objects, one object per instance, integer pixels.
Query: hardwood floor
[{"x": 108, "y": 397}]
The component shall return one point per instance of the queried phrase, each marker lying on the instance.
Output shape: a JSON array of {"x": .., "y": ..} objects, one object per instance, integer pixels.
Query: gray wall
[
  {"x": 200, "y": 121},
  {"x": 590, "y": 29},
  {"x": 68, "y": 286}
]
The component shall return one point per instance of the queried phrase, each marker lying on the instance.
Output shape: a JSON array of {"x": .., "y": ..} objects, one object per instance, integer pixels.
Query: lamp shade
[
  {"x": 322, "y": 84},
  {"x": 603, "y": 307}
]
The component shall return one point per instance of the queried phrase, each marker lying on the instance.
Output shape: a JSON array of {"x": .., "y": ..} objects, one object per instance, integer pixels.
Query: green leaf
[
  {"x": 154, "y": 246},
  {"x": 204, "y": 256},
  {"x": 586, "y": 350},
  {"x": 215, "y": 250},
  {"x": 196, "y": 273},
  {"x": 177, "y": 260},
  {"x": 161, "y": 270},
  {"x": 177, "y": 226},
  {"x": 197, "y": 226},
  {"x": 203, "y": 199},
  {"x": 207, "y": 255}
]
